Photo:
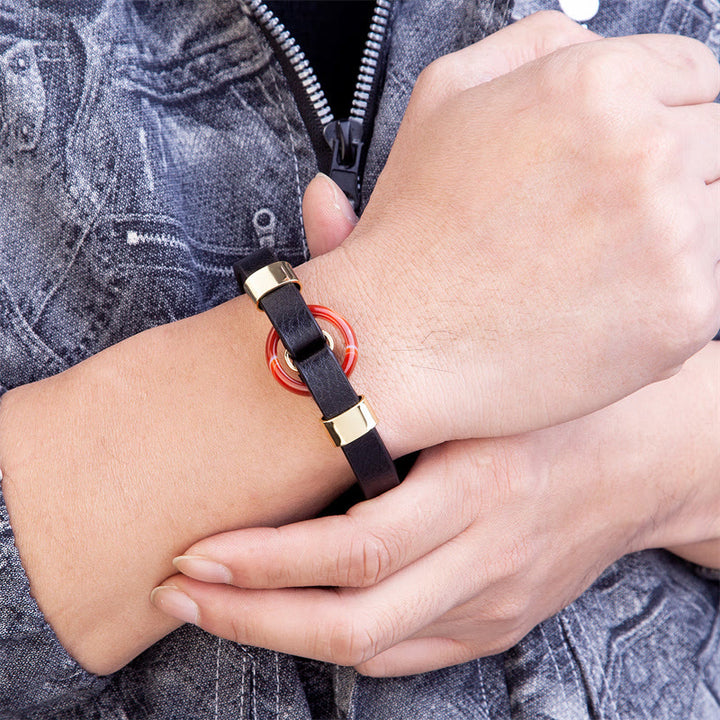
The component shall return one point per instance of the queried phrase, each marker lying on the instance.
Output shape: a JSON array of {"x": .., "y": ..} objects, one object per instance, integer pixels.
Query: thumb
[{"x": 327, "y": 215}]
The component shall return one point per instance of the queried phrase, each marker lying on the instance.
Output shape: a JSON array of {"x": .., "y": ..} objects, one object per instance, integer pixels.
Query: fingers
[
  {"x": 524, "y": 41},
  {"x": 406, "y": 559},
  {"x": 306, "y": 622},
  {"x": 399, "y": 536},
  {"x": 671, "y": 69},
  {"x": 678, "y": 70},
  {"x": 713, "y": 190},
  {"x": 345, "y": 626},
  {"x": 686, "y": 142},
  {"x": 710, "y": 127},
  {"x": 704, "y": 152},
  {"x": 500, "y": 53},
  {"x": 417, "y": 655},
  {"x": 327, "y": 215},
  {"x": 374, "y": 540}
]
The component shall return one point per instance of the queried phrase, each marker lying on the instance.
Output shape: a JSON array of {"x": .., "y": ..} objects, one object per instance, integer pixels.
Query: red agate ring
[{"x": 279, "y": 361}]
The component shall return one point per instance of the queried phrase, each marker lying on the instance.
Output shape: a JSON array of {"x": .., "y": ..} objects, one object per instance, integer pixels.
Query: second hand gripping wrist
[{"x": 276, "y": 290}]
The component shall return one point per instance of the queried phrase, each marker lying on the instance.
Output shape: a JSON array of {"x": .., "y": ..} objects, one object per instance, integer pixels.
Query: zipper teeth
[
  {"x": 370, "y": 58},
  {"x": 296, "y": 57}
]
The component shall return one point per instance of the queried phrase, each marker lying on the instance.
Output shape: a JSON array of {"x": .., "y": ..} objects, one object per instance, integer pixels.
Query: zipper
[{"x": 340, "y": 145}]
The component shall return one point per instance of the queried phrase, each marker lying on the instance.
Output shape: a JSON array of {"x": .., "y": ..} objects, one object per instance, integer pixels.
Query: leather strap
[{"x": 320, "y": 370}]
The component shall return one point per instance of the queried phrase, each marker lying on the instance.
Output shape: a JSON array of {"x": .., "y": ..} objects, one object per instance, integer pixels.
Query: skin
[
  {"x": 131, "y": 438},
  {"x": 484, "y": 540},
  {"x": 329, "y": 219},
  {"x": 556, "y": 506}
]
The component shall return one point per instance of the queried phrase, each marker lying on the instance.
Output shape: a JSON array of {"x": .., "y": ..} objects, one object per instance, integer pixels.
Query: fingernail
[
  {"x": 201, "y": 568},
  {"x": 175, "y": 602},
  {"x": 340, "y": 202}
]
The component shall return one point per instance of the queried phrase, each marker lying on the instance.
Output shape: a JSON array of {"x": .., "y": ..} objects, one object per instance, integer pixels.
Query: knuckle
[
  {"x": 584, "y": 79},
  {"x": 599, "y": 72},
  {"x": 371, "y": 559},
  {"x": 352, "y": 640},
  {"x": 437, "y": 77},
  {"x": 687, "y": 229},
  {"x": 517, "y": 557},
  {"x": 238, "y": 630},
  {"x": 689, "y": 300},
  {"x": 699, "y": 309},
  {"x": 511, "y": 565},
  {"x": 492, "y": 478},
  {"x": 656, "y": 152},
  {"x": 513, "y": 612},
  {"x": 700, "y": 62}
]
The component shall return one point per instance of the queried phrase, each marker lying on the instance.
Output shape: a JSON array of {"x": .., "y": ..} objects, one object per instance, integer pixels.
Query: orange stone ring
[{"x": 340, "y": 338}]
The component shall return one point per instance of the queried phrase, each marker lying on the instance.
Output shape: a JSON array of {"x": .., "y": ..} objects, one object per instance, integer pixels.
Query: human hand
[
  {"x": 484, "y": 540},
  {"x": 561, "y": 215},
  {"x": 375, "y": 539},
  {"x": 329, "y": 220}
]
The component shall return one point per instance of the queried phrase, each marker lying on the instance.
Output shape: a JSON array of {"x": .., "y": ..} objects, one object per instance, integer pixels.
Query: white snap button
[{"x": 580, "y": 10}]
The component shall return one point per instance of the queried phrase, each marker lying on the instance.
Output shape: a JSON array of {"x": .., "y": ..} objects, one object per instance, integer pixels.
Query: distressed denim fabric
[{"x": 144, "y": 146}]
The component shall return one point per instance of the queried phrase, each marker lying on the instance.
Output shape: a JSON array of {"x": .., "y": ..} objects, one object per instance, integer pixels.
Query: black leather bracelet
[{"x": 273, "y": 286}]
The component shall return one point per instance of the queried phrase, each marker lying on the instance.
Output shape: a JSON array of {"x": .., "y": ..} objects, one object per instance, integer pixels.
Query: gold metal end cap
[
  {"x": 352, "y": 424},
  {"x": 269, "y": 278}
]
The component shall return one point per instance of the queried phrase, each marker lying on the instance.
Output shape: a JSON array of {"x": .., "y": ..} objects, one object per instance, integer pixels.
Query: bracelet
[{"x": 274, "y": 287}]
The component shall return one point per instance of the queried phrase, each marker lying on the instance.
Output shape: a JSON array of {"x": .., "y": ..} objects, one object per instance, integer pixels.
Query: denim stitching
[
  {"x": 558, "y": 672},
  {"x": 577, "y": 677},
  {"x": 481, "y": 682},
  {"x": 608, "y": 695},
  {"x": 351, "y": 697},
  {"x": 678, "y": 17},
  {"x": 217, "y": 675},
  {"x": 254, "y": 689},
  {"x": 242, "y": 685},
  {"x": 296, "y": 165},
  {"x": 277, "y": 686},
  {"x": 239, "y": 58},
  {"x": 63, "y": 276},
  {"x": 26, "y": 333}
]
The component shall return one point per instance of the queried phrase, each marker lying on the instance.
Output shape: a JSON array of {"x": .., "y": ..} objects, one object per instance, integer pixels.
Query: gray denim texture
[{"x": 144, "y": 146}]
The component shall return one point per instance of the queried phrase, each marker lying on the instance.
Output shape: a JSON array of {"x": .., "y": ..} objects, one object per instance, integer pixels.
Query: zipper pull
[{"x": 345, "y": 138}]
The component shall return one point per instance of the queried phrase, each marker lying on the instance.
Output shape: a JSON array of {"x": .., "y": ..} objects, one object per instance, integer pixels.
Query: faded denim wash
[{"x": 144, "y": 146}]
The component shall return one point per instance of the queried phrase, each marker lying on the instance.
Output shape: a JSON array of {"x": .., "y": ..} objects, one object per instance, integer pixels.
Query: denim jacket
[{"x": 144, "y": 146}]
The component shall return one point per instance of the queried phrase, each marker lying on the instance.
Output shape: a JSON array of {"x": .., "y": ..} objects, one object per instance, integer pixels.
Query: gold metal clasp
[
  {"x": 351, "y": 424},
  {"x": 269, "y": 278}
]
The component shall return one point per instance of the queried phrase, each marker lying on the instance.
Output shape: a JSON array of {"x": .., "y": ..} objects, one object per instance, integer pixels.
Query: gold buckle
[
  {"x": 269, "y": 278},
  {"x": 351, "y": 424}
]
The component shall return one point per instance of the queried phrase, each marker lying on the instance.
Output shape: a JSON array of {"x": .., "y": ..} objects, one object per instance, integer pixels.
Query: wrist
[
  {"x": 684, "y": 462},
  {"x": 353, "y": 290},
  {"x": 119, "y": 464}
]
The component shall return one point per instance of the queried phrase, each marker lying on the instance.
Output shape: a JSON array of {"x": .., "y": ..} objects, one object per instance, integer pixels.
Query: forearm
[
  {"x": 703, "y": 553},
  {"x": 693, "y": 529},
  {"x": 703, "y": 520},
  {"x": 654, "y": 461},
  {"x": 117, "y": 465}
]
